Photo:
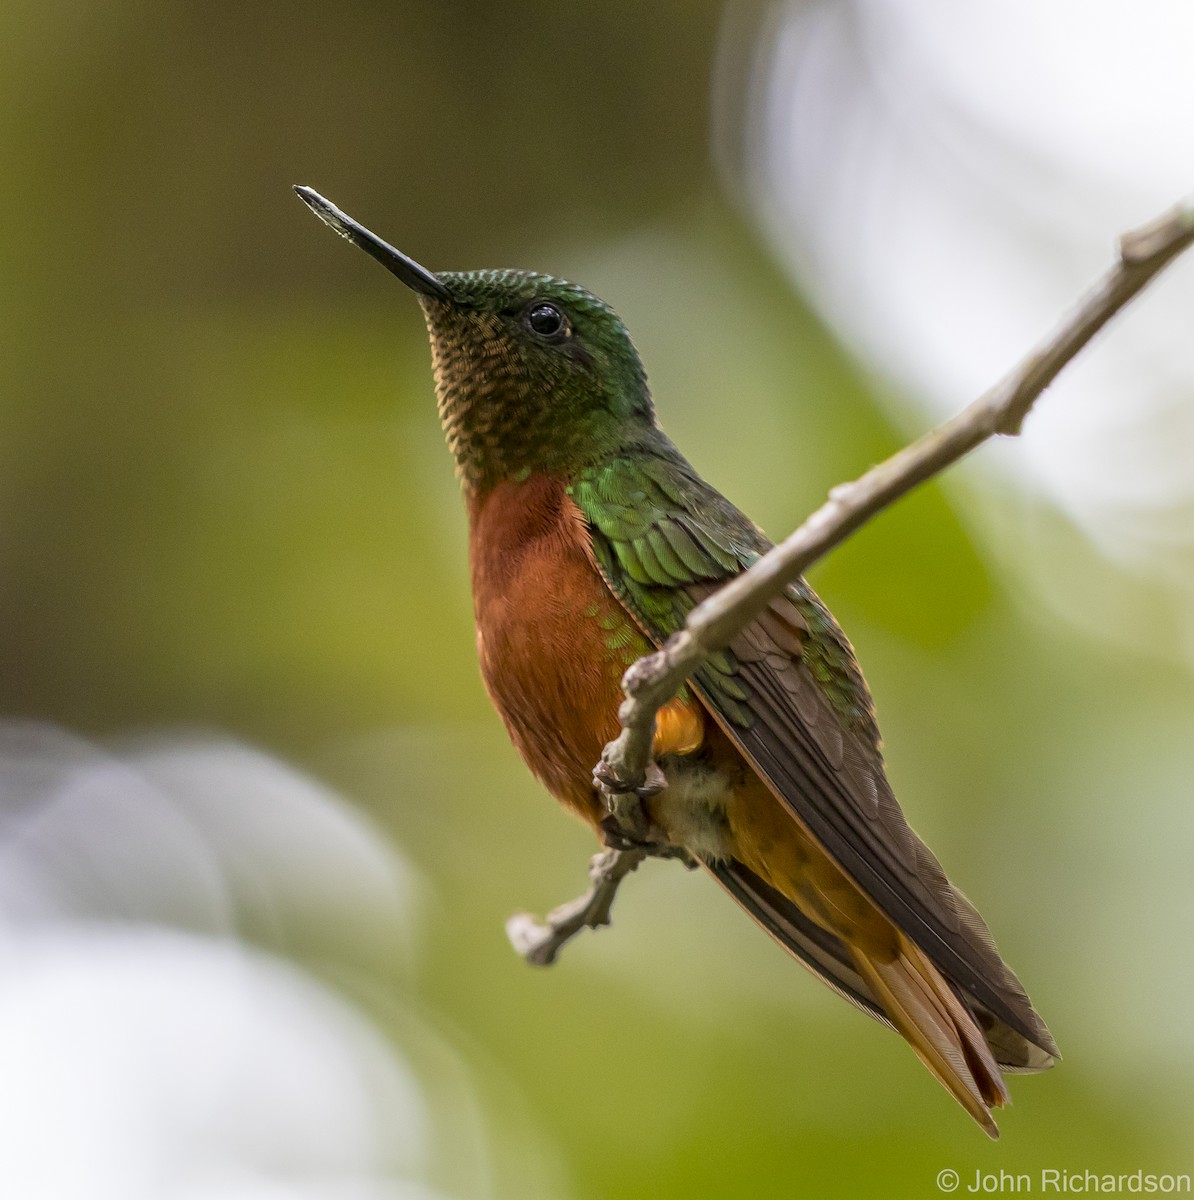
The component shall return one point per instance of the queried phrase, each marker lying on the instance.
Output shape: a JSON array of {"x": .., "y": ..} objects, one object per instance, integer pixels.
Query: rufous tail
[{"x": 938, "y": 1026}]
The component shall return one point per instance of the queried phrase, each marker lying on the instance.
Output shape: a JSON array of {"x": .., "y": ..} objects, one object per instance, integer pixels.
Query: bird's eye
[{"x": 547, "y": 321}]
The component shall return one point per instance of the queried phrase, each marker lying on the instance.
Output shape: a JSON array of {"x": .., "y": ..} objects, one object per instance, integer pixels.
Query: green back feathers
[{"x": 664, "y": 539}]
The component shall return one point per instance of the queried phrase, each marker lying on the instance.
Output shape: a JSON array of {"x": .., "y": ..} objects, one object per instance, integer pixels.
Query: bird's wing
[
  {"x": 820, "y": 951},
  {"x": 789, "y": 693}
]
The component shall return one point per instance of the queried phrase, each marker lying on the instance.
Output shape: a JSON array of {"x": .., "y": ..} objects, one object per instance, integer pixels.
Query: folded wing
[{"x": 789, "y": 694}]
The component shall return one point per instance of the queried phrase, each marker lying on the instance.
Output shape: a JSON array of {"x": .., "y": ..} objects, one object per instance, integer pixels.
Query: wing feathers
[
  {"x": 814, "y": 947},
  {"x": 789, "y": 694},
  {"x": 882, "y": 857}
]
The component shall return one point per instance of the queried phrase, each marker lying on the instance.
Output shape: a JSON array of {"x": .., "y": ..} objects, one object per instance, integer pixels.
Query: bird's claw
[
  {"x": 621, "y": 831},
  {"x": 627, "y": 825},
  {"x": 616, "y": 837},
  {"x": 654, "y": 782}
]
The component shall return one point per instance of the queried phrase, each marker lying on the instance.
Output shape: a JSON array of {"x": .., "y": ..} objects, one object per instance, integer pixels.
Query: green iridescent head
[{"x": 532, "y": 373}]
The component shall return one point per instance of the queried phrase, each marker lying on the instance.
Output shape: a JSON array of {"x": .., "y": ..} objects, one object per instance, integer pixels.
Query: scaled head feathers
[{"x": 532, "y": 374}]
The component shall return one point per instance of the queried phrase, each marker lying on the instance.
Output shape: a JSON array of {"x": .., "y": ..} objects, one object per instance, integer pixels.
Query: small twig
[
  {"x": 654, "y": 679},
  {"x": 539, "y": 943}
]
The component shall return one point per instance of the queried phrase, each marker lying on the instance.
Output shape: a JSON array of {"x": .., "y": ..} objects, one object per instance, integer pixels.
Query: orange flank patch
[
  {"x": 553, "y": 641},
  {"x": 679, "y": 729}
]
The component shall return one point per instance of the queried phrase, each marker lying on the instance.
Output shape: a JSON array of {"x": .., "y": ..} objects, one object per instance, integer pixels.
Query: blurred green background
[{"x": 225, "y": 504}]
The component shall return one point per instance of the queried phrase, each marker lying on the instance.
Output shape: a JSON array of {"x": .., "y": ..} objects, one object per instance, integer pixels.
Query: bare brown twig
[{"x": 653, "y": 680}]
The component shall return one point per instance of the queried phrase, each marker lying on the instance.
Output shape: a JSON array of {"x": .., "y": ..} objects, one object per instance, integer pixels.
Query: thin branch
[
  {"x": 626, "y": 766},
  {"x": 653, "y": 680},
  {"x": 540, "y": 943}
]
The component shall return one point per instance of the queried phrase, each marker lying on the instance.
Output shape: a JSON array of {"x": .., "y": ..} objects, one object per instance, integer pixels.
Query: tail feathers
[
  {"x": 959, "y": 1040},
  {"x": 923, "y": 1007}
]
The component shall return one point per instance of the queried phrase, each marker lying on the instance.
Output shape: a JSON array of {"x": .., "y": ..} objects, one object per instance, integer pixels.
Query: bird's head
[{"x": 533, "y": 374}]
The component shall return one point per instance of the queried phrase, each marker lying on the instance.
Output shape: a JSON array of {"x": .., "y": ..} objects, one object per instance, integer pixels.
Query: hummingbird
[{"x": 591, "y": 538}]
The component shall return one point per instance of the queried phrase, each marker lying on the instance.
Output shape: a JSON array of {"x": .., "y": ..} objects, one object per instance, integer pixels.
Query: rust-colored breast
[{"x": 553, "y": 642}]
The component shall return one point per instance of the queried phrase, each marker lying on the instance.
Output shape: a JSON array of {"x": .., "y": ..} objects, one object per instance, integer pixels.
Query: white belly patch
[{"x": 691, "y": 810}]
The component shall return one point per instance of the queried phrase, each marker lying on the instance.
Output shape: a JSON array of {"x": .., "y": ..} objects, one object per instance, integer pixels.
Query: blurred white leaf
[
  {"x": 142, "y": 1063},
  {"x": 198, "y": 832},
  {"x": 946, "y": 179},
  {"x": 149, "y": 1051}
]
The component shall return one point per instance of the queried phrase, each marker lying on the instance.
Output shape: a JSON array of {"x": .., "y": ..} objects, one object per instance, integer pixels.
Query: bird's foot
[
  {"x": 653, "y": 844},
  {"x": 612, "y": 786},
  {"x": 618, "y": 834},
  {"x": 628, "y": 825}
]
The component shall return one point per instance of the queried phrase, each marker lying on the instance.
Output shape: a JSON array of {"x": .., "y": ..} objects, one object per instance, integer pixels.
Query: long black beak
[{"x": 417, "y": 278}]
